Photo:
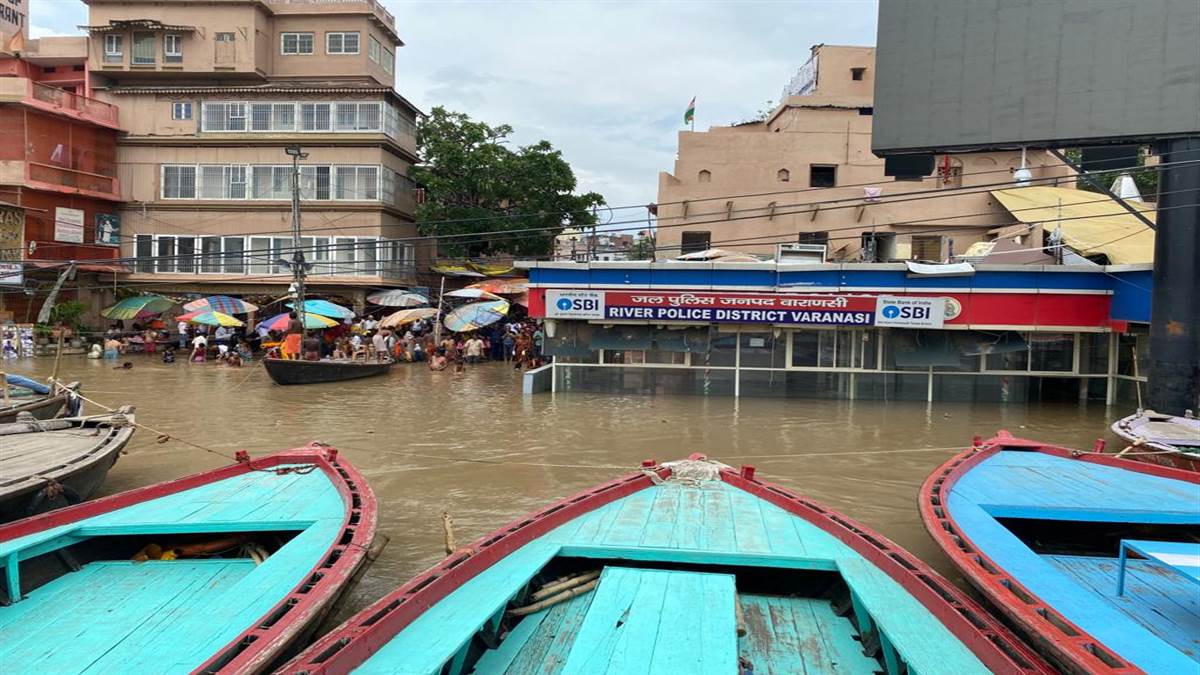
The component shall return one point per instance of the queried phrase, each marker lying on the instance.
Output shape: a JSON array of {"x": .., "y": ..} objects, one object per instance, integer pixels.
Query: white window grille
[
  {"x": 295, "y": 43},
  {"x": 260, "y": 117},
  {"x": 172, "y": 48},
  {"x": 283, "y": 117},
  {"x": 179, "y": 182},
  {"x": 341, "y": 43},
  {"x": 212, "y": 183},
  {"x": 143, "y": 49},
  {"x": 314, "y": 117}
]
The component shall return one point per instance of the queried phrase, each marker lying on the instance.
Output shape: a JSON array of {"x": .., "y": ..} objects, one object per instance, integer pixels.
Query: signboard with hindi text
[{"x": 786, "y": 309}]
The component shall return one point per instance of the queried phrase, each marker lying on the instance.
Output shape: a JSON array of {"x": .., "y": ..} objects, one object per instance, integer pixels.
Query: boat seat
[{"x": 658, "y": 621}]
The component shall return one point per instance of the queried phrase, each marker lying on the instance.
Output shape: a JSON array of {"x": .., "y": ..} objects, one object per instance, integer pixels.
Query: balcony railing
[
  {"x": 375, "y": 6},
  {"x": 60, "y": 98},
  {"x": 80, "y": 180}
]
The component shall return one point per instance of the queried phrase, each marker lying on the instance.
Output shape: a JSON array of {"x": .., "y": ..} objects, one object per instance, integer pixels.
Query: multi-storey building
[
  {"x": 212, "y": 93},
  {"x": 60, "y": 197},
  {"x": 806, "y": 174}
]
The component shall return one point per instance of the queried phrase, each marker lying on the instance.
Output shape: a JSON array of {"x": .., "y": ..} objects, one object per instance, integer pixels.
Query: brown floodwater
[{"x": 472, "y": 445}]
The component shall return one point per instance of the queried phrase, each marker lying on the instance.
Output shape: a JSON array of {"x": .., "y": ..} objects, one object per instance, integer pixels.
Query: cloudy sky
[{"x": 606, "y": 82}]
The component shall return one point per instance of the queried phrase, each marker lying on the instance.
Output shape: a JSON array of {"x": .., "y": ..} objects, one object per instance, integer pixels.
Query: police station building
[{"x": 853, "y": 330}]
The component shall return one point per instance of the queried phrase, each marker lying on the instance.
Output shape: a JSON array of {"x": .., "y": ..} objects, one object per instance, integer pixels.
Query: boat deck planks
[
  {"x": 1015, "y": 483},
  {"x": 785, "y": 636},
  {"x": 21, "y": 455},
  {"x": 657, "y": 621},
  {"x": 233, "y": 597},
  {"x": 703, "y": 530},
  {"x": 1162, "y": 600}
]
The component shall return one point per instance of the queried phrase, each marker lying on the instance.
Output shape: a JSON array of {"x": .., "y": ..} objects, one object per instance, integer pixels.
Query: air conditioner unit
[{"x": 811, "y": 254}]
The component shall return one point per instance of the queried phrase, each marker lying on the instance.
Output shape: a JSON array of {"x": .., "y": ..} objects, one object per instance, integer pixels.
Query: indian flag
[{"x": 690, "y": 115}]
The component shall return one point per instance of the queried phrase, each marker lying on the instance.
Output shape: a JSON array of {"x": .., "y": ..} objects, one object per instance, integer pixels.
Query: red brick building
[{"x": 59, "y": 192}]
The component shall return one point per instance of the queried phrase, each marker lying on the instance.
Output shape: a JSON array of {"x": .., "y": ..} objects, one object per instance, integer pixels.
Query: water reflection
[{"x": 470, "y": 444}]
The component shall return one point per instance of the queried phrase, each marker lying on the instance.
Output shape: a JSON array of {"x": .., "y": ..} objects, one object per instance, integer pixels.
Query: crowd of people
[{"x": 517, "y": 342}]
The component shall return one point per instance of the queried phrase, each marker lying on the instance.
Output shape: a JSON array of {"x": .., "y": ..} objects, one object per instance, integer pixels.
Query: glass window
[
  {"x": 822, "y": 175},
  {"x": 373, "y": 49},
  {"x": 341, "y": 43},
  {"x": 237, "y": 181},
  {"x": 212, "y": 182},
  {"x": 314, "y": 117},
  {"x": 1093, "y": 353},
  {"x": 1052, "y": 352},
  {"x": 388, "y": 60},
  {"x": 143, "y": 251},
  {"x": 179, "y": 182},
  {"x": 260, "y": 117},
  {"x": 172, "y": 48},
  {"x": 233, "y": 259},
  {"x": 283, "y": 117},
  {"x": 721, "y": 350},
  {"x": 181, "y": 110},
  {"x": 185, "y": 248},
  {"x": 165, "y": 258},
  {"x": 260, "y": 255},
  {"x": 296, "y": 43},
  {"x": 693, "y": 242},
  {"x": 343, "y": 256},
  {"x": 320, "y": 256},
  {"x": 225, "y": 37},
  {"x": 113, "y": 48},
  {"x": 1006, "y": 351},
  {"x": 806, "y": 346},
  {"x": 762, "y": 350},
  {"x": 143, "y": 48},
  {"x": 210, "y": 255}
]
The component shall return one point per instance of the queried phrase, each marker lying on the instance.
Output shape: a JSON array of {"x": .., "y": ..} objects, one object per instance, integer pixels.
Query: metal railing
[
  {"x": 64, "y": 99},
  {"x": 375, "y": 6}
]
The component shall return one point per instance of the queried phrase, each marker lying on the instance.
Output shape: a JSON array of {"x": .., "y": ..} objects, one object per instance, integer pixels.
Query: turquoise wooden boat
[
  {"x": 219, "y": 572},
  {"x": 1096, "y": 559},
  {"x": 688, "y": 567}
]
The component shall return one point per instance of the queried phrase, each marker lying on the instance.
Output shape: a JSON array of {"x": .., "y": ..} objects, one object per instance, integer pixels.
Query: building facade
[
  {"x": 60, "y": 193},
  {"x": 211, "y": 94},
  {"x": 1005, "y": 333},
  {"x": 806, "y": 174}
]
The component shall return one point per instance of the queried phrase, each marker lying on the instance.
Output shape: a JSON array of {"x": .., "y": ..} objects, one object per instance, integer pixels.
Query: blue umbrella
[
  {"x": 325, "y": 308},
  {"x": 475, "y": 316}
]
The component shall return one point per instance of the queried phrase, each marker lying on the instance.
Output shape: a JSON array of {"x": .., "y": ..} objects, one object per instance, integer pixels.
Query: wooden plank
[
  {"x": 657, "y": 621},
  {"x": 676, "y": 555},
  {"x": 800, "y": 635},
  {"x": 660, "y": 526},
  {"x": 547, "y": 650},
  {"x": 749, "y": 527}
]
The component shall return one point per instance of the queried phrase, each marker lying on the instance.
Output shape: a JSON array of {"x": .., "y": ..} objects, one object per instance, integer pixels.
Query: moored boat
[
  {"x": 298, "y": 371},
  {"x": 218, "y": 572},
  {"x": 682, "y": 567},
  {"x": 53, "y": 400},
  {"x": 47, "y": 464},
  {"x": 1093, "y": 558},
  {"x": 1169, "y": 440}
]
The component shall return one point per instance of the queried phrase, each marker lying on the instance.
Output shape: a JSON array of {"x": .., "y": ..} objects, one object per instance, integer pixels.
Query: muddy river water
[{"x": 472, "y": 445}]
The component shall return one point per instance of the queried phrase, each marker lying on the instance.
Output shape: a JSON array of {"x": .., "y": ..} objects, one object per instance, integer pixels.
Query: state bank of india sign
[{"x": 786, "y": 309}]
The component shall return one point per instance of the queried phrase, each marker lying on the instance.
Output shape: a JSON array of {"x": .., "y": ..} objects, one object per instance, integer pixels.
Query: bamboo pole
[
  {"x": 448, "y": 531},
  {"x": 57, "y": 356}
]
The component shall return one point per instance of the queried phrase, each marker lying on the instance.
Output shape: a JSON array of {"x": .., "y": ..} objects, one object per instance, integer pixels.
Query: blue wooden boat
[
  {"x": 219, "y": 572},
  {"x": 688, "y": 567},
  {"x": 1044, "y": 533}
]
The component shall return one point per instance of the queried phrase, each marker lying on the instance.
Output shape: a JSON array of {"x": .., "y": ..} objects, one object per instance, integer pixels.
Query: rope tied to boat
[{"x": 696, "y": 470}]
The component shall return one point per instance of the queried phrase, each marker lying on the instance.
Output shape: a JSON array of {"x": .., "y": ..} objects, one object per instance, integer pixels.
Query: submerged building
[{"x": 890, "y": 331}]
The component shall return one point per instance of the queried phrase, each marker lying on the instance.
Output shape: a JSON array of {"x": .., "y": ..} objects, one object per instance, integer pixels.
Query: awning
[
  {"x": 140, "y": 24},
  {"x": 1092, "y": 223}
]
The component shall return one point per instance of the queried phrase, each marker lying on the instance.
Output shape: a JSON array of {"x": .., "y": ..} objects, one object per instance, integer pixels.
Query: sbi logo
[
  {"x": 577, "y": 305},
  {"x": 563, "y": 304},
  {"x": 907, "y": 312}
]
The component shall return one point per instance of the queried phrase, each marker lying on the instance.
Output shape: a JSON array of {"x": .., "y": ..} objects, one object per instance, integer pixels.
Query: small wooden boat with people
[
  {"x": 1169, "y": 440},
  {"x": 300, "y": 371},
  {"x": 684, "y": 567},
  {"x": 47, "y": 464},
  {"x": 45, "y": 401},
  {"x": 219, "y": 572},
  {"x": 1095, "y": 559}
]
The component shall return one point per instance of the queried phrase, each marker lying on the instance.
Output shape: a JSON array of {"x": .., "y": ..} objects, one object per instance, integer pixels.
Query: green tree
[
  {"x": 471, "y": 176},
  {"x": 643, "y": 247},
  {"x": 1146, "y": 179}
]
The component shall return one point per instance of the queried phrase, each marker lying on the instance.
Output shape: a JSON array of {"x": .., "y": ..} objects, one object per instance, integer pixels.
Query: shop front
[{"x": 868, "y": 332}]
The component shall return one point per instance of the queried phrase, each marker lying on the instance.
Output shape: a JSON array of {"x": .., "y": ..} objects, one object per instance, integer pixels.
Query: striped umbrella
[
  {"x": 311, "y": 321},
  {"x": 209, "y": 318},
  {"x": 220, "y": 303},
  {"x": 475, "y": 315},
  {"x": 325, "y": 308},
  {"x": 140, "y": 307},
  {"x": 407, "y": 316},
  {"x": 473, "y": 294},
  {"x": 397, "y": 298}
]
